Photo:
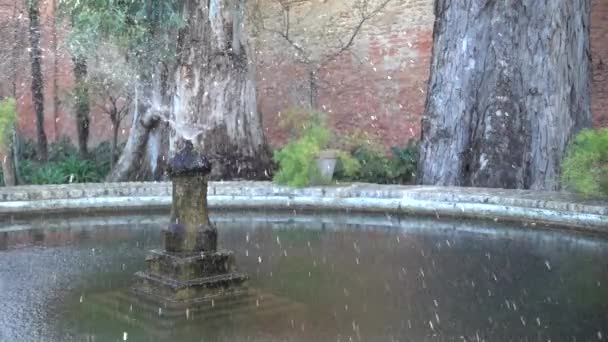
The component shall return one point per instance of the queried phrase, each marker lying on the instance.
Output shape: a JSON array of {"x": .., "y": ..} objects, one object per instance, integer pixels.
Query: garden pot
[{"x": 326, "y": 161}]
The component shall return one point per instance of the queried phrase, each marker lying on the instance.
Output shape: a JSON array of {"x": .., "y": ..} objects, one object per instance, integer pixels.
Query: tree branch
[{"x": 365, "y": 16}]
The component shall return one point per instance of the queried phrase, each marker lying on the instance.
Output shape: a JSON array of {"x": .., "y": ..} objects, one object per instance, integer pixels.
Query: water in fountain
[{"x": 313, "y": 278}]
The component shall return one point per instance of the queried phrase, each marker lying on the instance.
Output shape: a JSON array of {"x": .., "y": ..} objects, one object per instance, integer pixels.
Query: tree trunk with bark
[
  {"x": 215, "y": 91},
  {"x": 510, "y": 85},
  {"x": 7, "y": 159},
  {"x": 82, "y": 104},
  {"x": 37, "y": 78},
  {"x": 132, "y": 165}
]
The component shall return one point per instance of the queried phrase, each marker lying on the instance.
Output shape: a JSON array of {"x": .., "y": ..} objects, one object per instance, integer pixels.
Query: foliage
[
  {"x": 77, "y": 170},
  {"x": 62, "y": 149},
  {"x": 46, "y": 174},
  {"x": 140, "y": 27},
  {"x": 297, "y": 160},
  {"x": 26, "y": 149},
  {"x": 64, "y": 166},
  {"x": 8, "y": 115},
  {"x": 404, "y": 163},
  {"x": 376, "y": 167},
  {"x": 585, "y": 166}
]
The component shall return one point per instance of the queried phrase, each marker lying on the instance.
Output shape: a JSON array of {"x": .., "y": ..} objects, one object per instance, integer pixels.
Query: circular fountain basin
[{"x": 325, "y": 277}]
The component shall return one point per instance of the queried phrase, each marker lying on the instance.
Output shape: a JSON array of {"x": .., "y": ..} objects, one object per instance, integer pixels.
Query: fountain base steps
[{"x": 182, "y": 278}]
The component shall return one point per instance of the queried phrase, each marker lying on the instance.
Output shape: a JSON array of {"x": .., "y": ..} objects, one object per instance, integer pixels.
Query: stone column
[
  {"x": 190, "y": 230},
  {"x": 190, "y": 268}
]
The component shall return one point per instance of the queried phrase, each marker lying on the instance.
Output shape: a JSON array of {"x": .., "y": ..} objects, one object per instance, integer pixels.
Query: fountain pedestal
[{"x": 190, "y": 268}]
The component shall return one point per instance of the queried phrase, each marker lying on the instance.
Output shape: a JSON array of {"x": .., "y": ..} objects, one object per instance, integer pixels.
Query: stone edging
[{"x": 552, "y": 208}]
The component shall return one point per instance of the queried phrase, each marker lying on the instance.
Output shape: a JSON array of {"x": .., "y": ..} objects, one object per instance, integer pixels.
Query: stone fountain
[{"x": 190, "y": 268}]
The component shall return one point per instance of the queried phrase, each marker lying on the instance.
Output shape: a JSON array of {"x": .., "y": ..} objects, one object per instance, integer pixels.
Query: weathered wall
[{"x": 380, "y": 88}]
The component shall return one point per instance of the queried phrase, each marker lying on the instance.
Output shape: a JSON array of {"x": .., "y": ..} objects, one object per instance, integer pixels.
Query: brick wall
[
  {"x": 380, "y": 88},
  {"x": 383, "y": 89}
]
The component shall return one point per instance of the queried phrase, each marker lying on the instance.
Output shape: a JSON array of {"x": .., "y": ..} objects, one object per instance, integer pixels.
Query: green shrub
[
  {"x": 76, "y": 170},
  {"x": 27, "y": 149},
  {"x": 585, "y": 166},
  {"x": 297, "y": 160},
  {"x": 48, "y": 174},
  {"x": 62, "y": 149},
  {"x": 65, "y": 166},
  {"x": 404, "y": 163},
  {"x": 376, "y": 167},
  {"x": 8, "y": 115}
]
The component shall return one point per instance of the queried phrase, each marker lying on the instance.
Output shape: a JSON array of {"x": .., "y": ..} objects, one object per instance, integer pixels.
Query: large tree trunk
[
  {"x": 509, "y": 87},
  {"x": 131, "y": 165},
  {"x": 82, "y": 104},
  {"x": 37, "y": 78},
  {"x": 215, "y": 90}
]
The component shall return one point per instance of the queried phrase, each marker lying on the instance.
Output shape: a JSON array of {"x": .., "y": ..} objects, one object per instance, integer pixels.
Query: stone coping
[{"x": 557, "y": 209}]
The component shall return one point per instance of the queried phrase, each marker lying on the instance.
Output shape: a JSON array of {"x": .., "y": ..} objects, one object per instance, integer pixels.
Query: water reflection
[{"x": 321, "y": 278}]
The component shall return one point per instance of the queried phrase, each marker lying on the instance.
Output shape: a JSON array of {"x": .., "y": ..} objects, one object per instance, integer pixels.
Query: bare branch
[{"x": 365, "y": 16}]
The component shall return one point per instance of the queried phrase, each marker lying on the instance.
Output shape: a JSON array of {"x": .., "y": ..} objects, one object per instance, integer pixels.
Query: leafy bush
[
  {"x": 69, "y": 170},
  {"x": 64, "y": 166},
  {"x": 376, "y": 167},
  {"x": 297, "y": 160},
  {"x": 404, "y": 163},
  {"x": 27, "y": 149},
  {"x": 8, "y": 115},
  {"x": 76, "y": 170},
  {"x": 48, "y": 174},
  {"x": 62, "y": 149},
  {"x": 585, "y": 167}
]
